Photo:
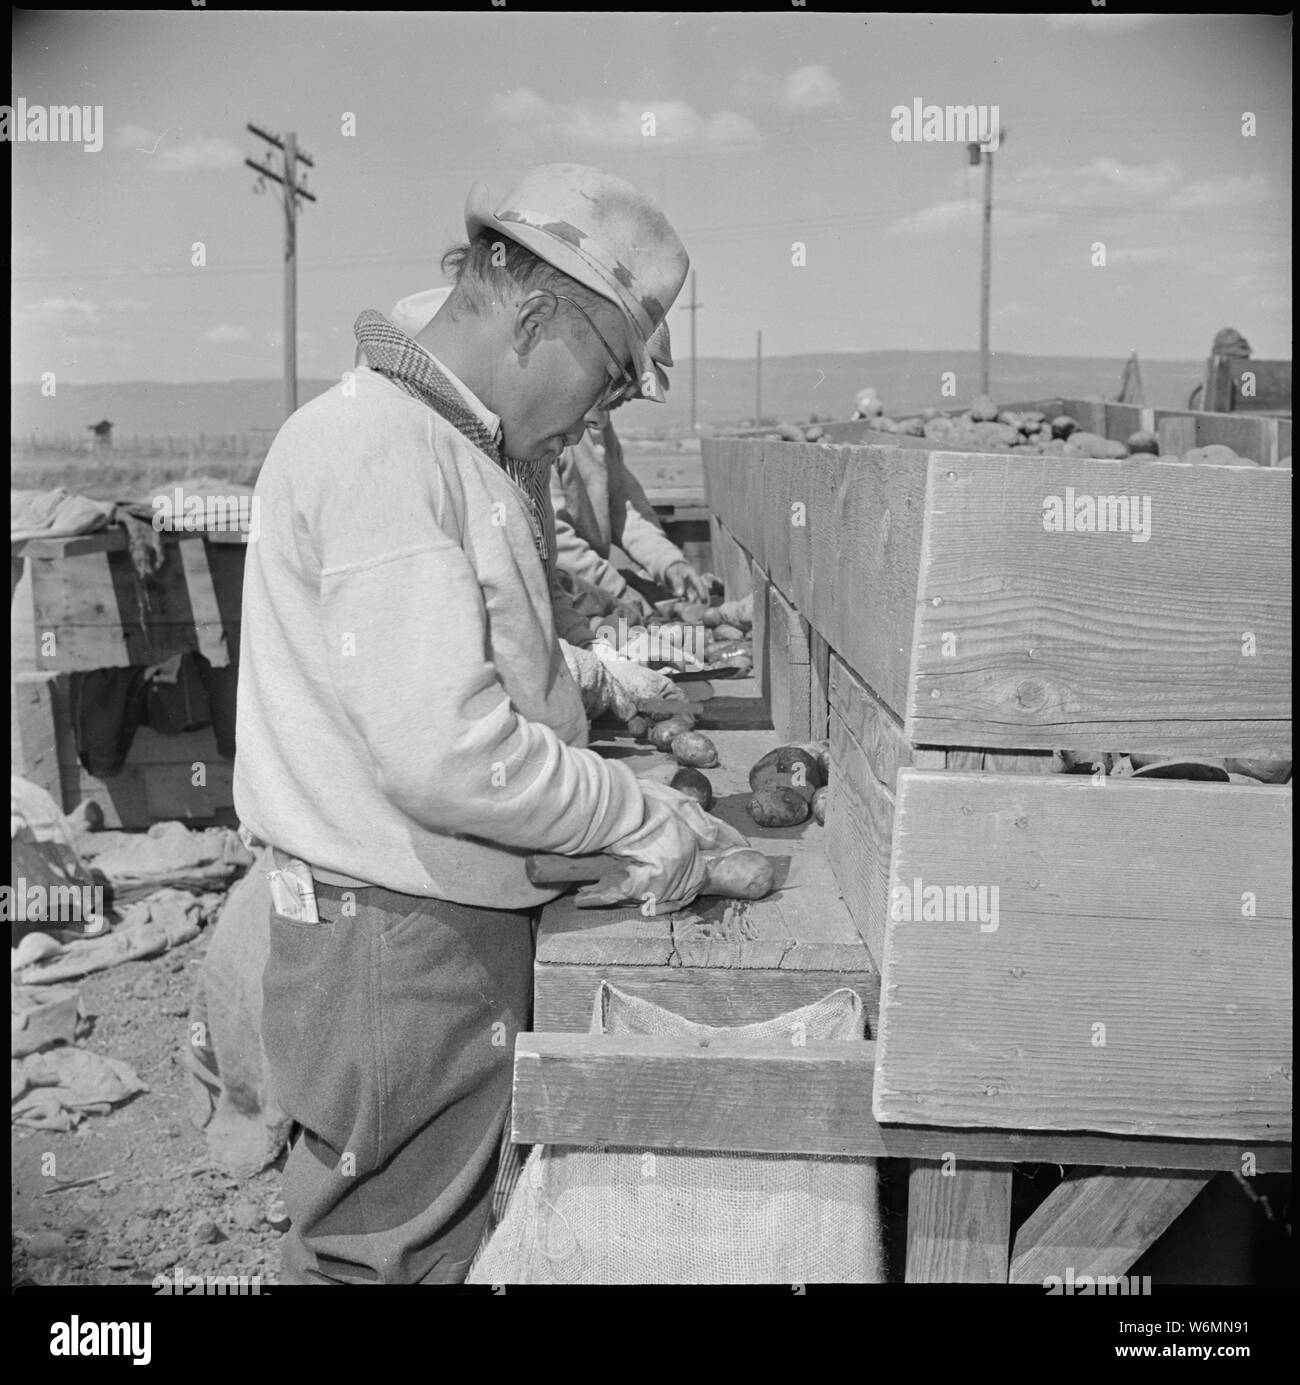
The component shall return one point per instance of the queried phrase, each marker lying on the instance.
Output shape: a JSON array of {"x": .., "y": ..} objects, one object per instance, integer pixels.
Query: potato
[
  {"x": 983, "y": 409},
  {"x": 712, "y": 617},
  {"x": 740, "y": 873},
  {"x": 1143, "y": 441},
  {"x": 779, "y": 807},
  {"x": 725, "y": 633},
  {"x": 693, "y": 613},
  {"x": 743, "y": 663},
  {"x": 1063, "y": 425},
  {"x": 715, "y": 650},
  {"x": 1267, "y": 771},
  {"x": 694, "y": 785},
  {"x": 661, "y": 735},
  {"x": 787, "y": 432},
  {"x": 738, "y": 613},
  {"x": 819, "y": 805},
  {"x": 814, "y": 434},
  {"x": 821, "y": 752},
  {"x": 639, "y": 727},
  {"x": 788, "y": 766},
  {"x": 1216, "y": 455},
  {"x": 691, "y": 748}
]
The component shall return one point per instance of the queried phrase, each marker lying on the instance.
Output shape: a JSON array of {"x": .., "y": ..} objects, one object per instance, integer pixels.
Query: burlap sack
[{"x": 626, "y": 1216}]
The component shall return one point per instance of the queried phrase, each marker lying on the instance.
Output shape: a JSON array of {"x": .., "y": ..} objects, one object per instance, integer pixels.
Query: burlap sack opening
[{"x": 629, "y": 1216}]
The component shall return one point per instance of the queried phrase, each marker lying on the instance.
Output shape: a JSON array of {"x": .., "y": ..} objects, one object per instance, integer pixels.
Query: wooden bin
[
  {"x": 91, "y": 611},
  {"x": 914, "y": 603}
]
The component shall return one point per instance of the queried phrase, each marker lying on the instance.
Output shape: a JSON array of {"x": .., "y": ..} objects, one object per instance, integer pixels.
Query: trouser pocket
[{"x": 316, "y": 1025}]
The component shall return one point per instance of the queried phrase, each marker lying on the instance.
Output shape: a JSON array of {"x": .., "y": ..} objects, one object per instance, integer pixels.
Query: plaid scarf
[{"x": 393, "y": 354}]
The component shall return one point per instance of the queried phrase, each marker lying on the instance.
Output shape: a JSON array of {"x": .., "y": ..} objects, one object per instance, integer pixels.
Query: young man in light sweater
[{"x": 408, "y": 728}]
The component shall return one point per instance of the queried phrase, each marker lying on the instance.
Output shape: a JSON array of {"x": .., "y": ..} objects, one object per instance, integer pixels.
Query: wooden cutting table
[{"x": 719, "y": 962}]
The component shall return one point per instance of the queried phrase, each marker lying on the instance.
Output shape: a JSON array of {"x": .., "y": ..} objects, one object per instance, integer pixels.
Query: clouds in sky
[
  {"x": 224, "y": 333},
  {"x": 168, "y": 153},
  {"x": 529, "y": 118}
]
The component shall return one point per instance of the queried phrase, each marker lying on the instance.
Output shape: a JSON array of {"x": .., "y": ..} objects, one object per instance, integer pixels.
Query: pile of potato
[
  {"x": 789, "y": 785},
  {"x": 983, "y": 427}
]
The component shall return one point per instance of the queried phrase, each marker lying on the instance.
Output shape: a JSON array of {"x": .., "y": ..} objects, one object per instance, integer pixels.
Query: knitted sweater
[{"x": 405, "y": 716}]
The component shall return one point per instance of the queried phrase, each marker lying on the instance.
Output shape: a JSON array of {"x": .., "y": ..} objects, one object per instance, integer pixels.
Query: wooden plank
[
  {"x": 802, "y": 926},
  {"x": 789, "y": 676},
  {"x": 853, "y": 565},
  {"x": 33, "y": 735},
  {"x": 563, "y": 996},
  {"x": 958, "y": 1224},
  {"x": 1176, "y": 429},
  {"x": 859, "y": 830},
  {"x": 819, "y": 675},
  {"x": 759, "y": 636},
  {"x": 1283, "y": 440},
  {"x": 1235, "y": 385},
  {"x": 1029, "y": 639},
  {"x": 1100, "y": 1223},
  {"x": 1090, "y": 414},
  {"x": 103, "y": 615},
  {"x": 1123, "y": 420},
  {"x": 872, "y": 724},
  {"x": 731, "y": 562},
  {"x": 1247, "y": 435},
  {"x": 653, "y": 1092},
  {"x": 209, "y": 630},
  {"x": 1115, "y": 958}
]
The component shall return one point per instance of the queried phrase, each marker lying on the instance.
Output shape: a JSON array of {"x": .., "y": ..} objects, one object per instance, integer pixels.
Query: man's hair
[{"x": 495, "y": 262}]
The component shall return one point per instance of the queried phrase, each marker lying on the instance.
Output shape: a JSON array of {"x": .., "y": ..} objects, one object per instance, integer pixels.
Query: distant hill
[{"x": 794, "y": 387}]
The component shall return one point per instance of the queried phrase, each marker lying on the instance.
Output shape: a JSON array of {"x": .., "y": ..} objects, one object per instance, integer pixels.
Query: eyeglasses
[{"x": 627, "y": 386}]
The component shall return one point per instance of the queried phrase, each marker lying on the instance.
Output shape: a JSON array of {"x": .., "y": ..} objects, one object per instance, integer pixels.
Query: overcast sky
[{"x": 771, "y": 129}]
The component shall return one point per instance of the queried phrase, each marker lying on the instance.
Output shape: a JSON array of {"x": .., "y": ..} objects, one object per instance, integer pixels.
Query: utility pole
[
  {"x": 978, "y": 154},
  {"x": 758, "y": 384},
  {"x": 287, "y": 179},
  {"x": 692, "y": 307}
]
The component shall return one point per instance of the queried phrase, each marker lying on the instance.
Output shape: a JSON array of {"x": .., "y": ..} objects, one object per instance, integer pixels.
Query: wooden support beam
[
  {"x": 648, "y": 1092},
  {"x": 1100, "y": 1223},
  {"x": 958, "y": 1224},
  {"x": 1108, "y": 958},
  {"x": 760, "y": 636},
  {"x": 789, "y": 672}
]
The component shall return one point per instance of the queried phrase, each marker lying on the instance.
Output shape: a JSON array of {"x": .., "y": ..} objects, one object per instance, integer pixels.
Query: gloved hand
[
  {"x": 607, "y": 682},
  {"x": 666, "y": 868},
  {"x": 683, "y": 581},
  {"x": 632, "y": 684}
]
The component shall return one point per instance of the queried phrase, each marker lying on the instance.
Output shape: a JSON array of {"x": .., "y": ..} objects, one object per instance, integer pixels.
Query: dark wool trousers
[{"x": 390, "y": 1035}]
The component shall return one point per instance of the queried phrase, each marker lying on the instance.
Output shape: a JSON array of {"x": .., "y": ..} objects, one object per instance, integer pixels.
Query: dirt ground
[{"x": 163, "y": 1205}]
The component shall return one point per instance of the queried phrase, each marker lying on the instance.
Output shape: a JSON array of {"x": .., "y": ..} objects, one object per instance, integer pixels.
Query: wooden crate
[
  {"x": 92, "y": 610},
  {"x": 958, "y": 633}
]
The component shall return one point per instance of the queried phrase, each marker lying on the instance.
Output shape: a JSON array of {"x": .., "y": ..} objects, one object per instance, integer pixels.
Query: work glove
[
  {"x": 608, "y": 683},
  {"x": 683, "y": 581},
  {"x": 665, "y": 867}
]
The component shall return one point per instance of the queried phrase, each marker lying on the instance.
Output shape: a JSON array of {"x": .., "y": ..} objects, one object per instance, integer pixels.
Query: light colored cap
[{"x": 599, "y": 230}]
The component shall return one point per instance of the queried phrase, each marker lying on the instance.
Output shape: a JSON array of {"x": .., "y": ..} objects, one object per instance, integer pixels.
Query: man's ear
[{"x": 533, "y": 317}]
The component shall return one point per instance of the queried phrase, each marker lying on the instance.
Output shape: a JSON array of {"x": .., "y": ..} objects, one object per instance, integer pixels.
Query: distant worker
[
  {"x": 1230, "y": 342},
  {"x": 598, "y": 503},
  {"x": 866, "y": 404}
]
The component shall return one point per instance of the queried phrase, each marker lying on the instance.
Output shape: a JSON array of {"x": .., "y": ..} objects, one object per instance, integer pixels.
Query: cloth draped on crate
[{"x": 630, "y": 1216}]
